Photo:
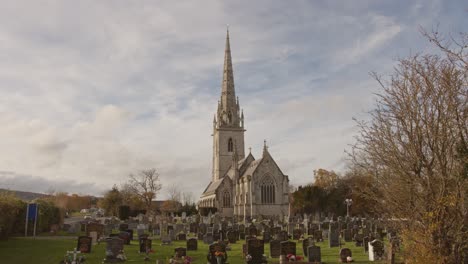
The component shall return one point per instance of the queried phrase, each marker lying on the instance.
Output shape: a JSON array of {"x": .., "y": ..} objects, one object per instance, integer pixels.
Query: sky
[{"x": 91, "y": 91}]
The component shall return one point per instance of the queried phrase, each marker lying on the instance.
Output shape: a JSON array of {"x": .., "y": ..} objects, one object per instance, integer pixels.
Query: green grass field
[{"x": 43, "y": 250}]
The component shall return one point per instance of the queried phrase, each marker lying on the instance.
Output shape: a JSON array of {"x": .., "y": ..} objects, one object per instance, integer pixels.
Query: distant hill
[{"x": 26, "y": 196}]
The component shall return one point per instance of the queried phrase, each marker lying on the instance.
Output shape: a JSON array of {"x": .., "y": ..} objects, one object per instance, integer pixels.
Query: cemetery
[
  {"x": 124, "y": 136},
  {"x": 217, "y": 240}
]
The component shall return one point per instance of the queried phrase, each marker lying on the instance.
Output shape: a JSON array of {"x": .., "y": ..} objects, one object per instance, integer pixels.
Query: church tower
[{"x": 228, "y": 123}]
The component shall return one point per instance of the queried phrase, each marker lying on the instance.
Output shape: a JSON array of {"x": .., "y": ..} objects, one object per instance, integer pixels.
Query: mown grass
[{"x": 51, "y": 250}]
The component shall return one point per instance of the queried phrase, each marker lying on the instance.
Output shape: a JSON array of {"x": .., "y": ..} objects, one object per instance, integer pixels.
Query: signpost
[{"x": 32, "y": 210}]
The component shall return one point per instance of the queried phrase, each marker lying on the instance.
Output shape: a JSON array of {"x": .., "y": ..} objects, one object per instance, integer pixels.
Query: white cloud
[{"x": 90, "y": 92}]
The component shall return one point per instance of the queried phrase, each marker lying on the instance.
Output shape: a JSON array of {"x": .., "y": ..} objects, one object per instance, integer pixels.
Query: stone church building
[{"x": 241, "y": 186}]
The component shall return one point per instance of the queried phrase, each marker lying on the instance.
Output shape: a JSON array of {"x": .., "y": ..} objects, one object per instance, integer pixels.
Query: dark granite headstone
[
  {"x": 378, "y": 248},
  {"x": 114, "y": 248},
  {"x": 213, "y": 250},
  {"x": 145, "y": 244},
  {"x": 334, "y": 238},
  {"x": 255, "y": 248},
  {"x": 181, "y": 237},
  {"x": 347, "y": 234},
  {"x": 275, "y": 248},
  {"x": 232, "y": 236},
  {"x": 180, "y": 252},
  {"x": 288, "y": 247},
  {"x": 192, "y": 244},
  {"x": 84, "y": 244},
  {"x": 313, "y": 254},
  {"x": 252, "y": 230}
]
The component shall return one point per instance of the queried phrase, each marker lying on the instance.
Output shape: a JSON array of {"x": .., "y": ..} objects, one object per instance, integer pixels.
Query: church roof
[
  {"x": 252, "y": 167},
  {"x": 211, "y": 188}
]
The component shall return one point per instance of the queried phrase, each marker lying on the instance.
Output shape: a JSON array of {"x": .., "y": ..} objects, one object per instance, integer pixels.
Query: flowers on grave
[
  {"x": 187, "y": 260},
  {"x": 248, "y": 258},
  {"x": 292, "y": 257},
  {"x": 219, "y": 254},
  {"x": 349, "y": 259}
]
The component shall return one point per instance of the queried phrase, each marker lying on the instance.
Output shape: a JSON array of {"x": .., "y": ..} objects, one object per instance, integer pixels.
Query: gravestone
[
  {"x": 275, "y": 248},
  {"x": 256, "y": 249},
  {"x": 130, "y": 232},
  {"x": 347, "y": 234},
  {"x": 282, "y": 236},
  {"x": 344, "y": 254},
  {"x": 208, "y": 238},
  {"x": 266, "y": 236},
  {"x": 365, "y": 242},
  {"x": 288, "y": 247},
  {"x": 252, "y": 230},
  {"x": 125, "y": 236},
  {"x": 358, "y": 239},
  {"x": 166, "y": 239},
  {"x": 182, "y": 237},
  {"x": 180, "y": 252},
  {"x": 241, "y": 235},
  {"x": 318, "y": 235},
  {"x": 145, "y": 244},
  {"x": 232, "y": 236},
  {"x": 123, "y": 227},
  {"x": 192, "y": 244},
  {"x": 84, "y": 244},
  {"x": 217, "y": 251},
  {"x": 376, "y": 250},
  {"x": 94, "y": 237},
  {"x": 313, "y": 254},
  {"x": 333, "y": 238},
  {"x": 305, "y": 244},
  {"x": 114, "y": 250},
  {"x": 95, "y": 227},
  {"x": 297, "y": 233}
]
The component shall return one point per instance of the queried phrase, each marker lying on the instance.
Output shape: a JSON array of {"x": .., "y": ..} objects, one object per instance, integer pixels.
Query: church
[{"x": 241, "y": 186}]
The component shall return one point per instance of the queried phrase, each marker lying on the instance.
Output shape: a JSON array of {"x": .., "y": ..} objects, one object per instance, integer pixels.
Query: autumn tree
[
  {"x": 415, "y": 149},
  {"x": 146, "y": 185},
  {"x": 325, "y": 179},
  {"x": 111, "y": 202}
]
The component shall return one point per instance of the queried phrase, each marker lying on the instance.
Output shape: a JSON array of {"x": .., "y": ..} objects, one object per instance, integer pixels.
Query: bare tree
[
  {"x": 146, "y": 185},
  {"x": 415, "y": 147}
]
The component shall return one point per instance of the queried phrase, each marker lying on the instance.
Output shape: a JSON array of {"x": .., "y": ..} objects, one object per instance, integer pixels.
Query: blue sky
[{"x": 92, "y": 91}]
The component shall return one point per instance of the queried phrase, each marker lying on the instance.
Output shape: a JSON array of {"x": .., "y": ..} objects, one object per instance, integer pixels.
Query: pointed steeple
[
  {"x": 265, "y": 148},
  {"x": 229, "y": 104}
]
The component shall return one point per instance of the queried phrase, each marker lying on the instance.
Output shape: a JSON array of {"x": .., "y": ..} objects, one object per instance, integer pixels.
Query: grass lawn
[{"x": 44, "y": 250}]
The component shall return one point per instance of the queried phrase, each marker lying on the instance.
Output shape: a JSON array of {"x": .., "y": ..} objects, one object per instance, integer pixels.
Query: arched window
[
  {"x": 230, "y": 145},
  {"x": 267, "y": 191},
  {"x": 226, "y": 199}
]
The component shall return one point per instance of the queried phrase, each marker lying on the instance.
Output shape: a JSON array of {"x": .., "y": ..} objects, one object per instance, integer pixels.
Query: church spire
[{"x": 228, "y": 95}]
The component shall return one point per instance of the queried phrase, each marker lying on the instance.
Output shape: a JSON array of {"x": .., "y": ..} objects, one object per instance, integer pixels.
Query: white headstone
[{"x": 93, "y": 235}]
